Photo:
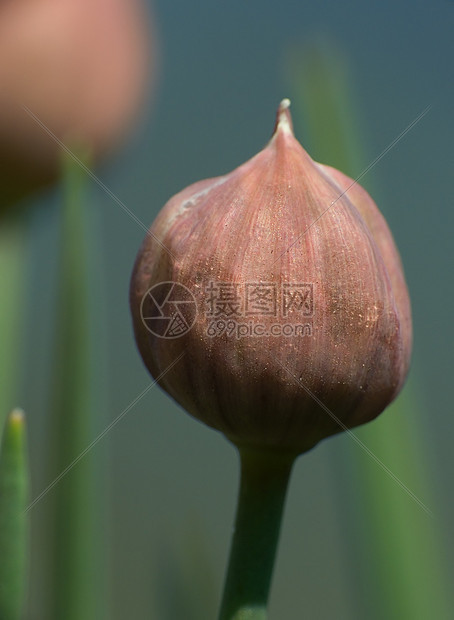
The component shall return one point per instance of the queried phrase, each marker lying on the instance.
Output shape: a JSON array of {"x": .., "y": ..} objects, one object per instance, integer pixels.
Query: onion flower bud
[{"x": 281, "y": 287}]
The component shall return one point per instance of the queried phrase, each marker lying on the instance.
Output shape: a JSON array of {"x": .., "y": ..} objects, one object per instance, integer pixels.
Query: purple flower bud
[{"x": 281, "y": 286}]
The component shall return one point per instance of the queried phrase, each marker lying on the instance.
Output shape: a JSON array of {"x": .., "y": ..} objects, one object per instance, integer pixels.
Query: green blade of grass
[
  {"x": 402, "y": 569},
  {"x": 12, "y": 259},
  {"x": 323, "y": 105},
  {"x": 78, "y": 534},
  {"x": 183, "y": 581},
  {"x": 13, "y": 520},
  {"x": 397, "y": 526}
]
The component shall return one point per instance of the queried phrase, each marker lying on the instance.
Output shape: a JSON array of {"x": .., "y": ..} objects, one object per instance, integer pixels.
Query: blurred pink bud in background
[{"x": 80, "y": 66}]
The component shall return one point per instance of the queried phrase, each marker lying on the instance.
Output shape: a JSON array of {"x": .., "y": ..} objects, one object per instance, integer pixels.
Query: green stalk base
[{"x": 264, "y": 480}]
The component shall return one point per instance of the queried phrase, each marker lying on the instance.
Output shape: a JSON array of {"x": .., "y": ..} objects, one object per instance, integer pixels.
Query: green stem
[
  {"x": 13, "y": 520},
  {"x": 264, "y": 481}
]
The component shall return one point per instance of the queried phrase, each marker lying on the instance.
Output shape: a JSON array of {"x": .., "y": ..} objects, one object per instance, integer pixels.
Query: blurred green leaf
[
  {"x": 78, "y": 499},
  {"x": 13, "y": 520},
  {"x": 323, "y": 106},
  {"x": 183, "y": 581},
  {"x": 12, "y": 259},
  {"x": 400, "y": 526}
]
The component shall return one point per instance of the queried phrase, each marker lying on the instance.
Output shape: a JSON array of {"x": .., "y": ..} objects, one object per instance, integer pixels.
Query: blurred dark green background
[{"x": 223, "y": 68}]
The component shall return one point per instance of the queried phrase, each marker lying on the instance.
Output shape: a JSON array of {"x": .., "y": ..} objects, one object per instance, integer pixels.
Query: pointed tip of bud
[{"x": 283, "y": 118}]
